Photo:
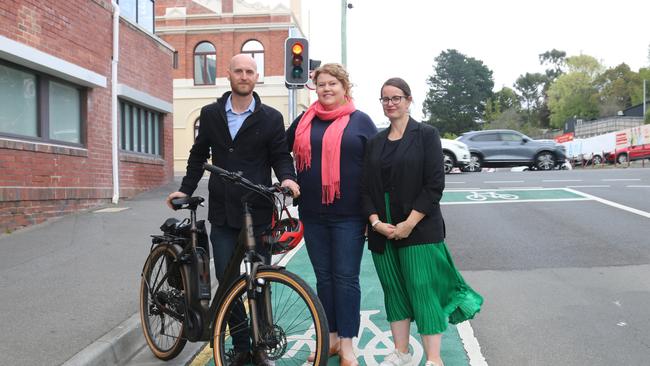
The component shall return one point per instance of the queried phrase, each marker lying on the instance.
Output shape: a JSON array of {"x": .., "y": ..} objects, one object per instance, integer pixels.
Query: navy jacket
[
  {"x": 359, "y": 130},
  {"x": 418, "y": 171},
  {"x": 259, "y": 145}
]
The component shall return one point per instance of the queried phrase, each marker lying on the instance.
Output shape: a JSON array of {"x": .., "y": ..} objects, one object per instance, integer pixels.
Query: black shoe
[
  {"x": 240, "y": 358},
  {"x": 260, "y": 358}
]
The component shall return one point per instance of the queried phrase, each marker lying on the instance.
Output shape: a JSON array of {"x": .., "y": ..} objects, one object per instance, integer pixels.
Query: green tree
[
  {"x": 573, "y": 94},
  {"x": 556, "y": 60},
  {"x": 531, "y": 91},
  {"x": 500, "y": 101},
  {"x": 616, "y": 88},
  {"x": 458, "y": 91}
]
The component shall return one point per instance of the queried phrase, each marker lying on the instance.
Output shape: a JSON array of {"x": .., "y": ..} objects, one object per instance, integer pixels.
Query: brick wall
[{"x": 42, "y": 180}]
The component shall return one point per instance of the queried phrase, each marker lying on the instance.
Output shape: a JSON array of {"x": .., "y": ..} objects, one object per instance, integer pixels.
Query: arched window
[
  {"x": 256, "y": 50},
  {"x": 196, "y": 127},
  {"x": 205, "y": 64}
]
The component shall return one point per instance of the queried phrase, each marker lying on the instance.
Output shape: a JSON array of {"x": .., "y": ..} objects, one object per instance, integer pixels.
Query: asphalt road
[{"x": 565, "y": 283}]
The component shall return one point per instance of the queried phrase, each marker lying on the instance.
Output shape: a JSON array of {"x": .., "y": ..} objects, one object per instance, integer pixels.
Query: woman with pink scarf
[{"x": 328, "y": 143}]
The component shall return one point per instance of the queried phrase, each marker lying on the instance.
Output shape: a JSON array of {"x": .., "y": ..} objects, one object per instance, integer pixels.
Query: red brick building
[
  {"x": 59, "y": 108},
  {"x": 206, "y": 34}
]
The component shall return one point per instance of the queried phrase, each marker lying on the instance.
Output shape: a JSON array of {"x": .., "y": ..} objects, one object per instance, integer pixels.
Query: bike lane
[{"x": 374, "y": 340}]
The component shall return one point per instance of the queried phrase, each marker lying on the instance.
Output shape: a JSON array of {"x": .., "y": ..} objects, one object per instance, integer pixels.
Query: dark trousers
[
  {"x": 224, "y": 241},
  {"x": 335, "y": 247}
]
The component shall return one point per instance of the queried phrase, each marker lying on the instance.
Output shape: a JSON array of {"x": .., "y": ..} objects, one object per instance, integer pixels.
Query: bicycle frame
[{"x": 200, "y": 312}]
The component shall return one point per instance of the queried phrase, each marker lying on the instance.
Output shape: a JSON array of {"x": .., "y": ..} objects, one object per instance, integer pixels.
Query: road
[{"x": 566, "y": 282}]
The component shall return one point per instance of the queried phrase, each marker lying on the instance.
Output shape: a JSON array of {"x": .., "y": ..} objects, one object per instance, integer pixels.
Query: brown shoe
[
  {"x": 240, "y": 358},
  {"x": 348, "y": 361},
  {"x": 333, "y": 352},
  {"x": 260, "y": 358}
]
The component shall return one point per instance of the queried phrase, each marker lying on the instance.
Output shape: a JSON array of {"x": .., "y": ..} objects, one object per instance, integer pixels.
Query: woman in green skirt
[{"x": 403, "y": 181}]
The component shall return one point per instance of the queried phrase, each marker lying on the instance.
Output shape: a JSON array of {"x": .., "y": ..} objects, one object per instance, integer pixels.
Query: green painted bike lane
[{"x": 374, "y": 341}]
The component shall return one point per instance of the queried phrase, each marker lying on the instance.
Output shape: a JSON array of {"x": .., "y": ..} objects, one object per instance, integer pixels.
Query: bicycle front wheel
[
  {"x": 291, "y": 321},
  {"x": 162, "y": 303}
]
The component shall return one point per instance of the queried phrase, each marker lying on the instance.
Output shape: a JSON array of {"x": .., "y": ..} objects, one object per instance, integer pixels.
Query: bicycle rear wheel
[
  {"x": 162, "y": 303},
  {"x": 297, "y": 326}
]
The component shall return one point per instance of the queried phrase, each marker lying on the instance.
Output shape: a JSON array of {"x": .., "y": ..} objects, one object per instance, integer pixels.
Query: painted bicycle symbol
[
  {"x": 372, "y": 352},
  {"x": 482, "y": 196}
]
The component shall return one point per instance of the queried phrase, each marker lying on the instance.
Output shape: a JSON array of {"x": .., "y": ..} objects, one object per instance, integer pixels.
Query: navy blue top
[{"x": 353, "y": 143}]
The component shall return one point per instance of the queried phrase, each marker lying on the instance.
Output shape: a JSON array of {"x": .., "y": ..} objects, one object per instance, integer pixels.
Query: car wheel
[
  {"x": 621, "y": 158},
  {"x": 545, "y": 161},
  {"x": 449, "y": 162},
  {"x": 597, "y": 160},
  {"x": 475, "y": 164}
]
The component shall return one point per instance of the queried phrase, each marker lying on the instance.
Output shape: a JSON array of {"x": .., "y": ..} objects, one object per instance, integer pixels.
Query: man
[{"x": 243, "y": 135}]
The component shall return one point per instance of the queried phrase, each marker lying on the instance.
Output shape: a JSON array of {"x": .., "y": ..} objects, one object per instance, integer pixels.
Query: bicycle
[
  {"x": 275, "y": 309},
  {"x": 482, "y": 196}
]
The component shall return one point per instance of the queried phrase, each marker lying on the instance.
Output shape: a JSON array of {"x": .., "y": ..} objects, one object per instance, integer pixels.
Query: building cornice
[{"x": 216, "y": 28}]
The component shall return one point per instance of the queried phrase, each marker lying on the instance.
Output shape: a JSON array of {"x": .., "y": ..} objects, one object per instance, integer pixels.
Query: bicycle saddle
[{"x": 187, "y": 202}]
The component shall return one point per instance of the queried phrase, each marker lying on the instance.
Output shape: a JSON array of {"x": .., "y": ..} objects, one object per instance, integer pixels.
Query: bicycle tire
[
  {"x": 164, "y": 333},
  {"x": 299, "y": 323}
]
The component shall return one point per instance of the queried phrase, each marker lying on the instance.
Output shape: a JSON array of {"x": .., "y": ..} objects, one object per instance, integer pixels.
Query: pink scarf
[{"x": 331, "y": 154}]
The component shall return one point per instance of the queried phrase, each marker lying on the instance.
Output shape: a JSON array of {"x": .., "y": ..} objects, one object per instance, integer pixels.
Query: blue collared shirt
[{"x": 236, "y": 120}]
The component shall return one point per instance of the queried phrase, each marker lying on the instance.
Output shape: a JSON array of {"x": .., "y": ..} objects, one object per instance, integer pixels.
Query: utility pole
[{"x": 344, "y": 27}]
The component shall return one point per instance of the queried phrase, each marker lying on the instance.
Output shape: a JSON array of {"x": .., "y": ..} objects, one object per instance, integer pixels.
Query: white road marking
[
  {"x": 525, "y": 188},
  {"x": 514, "y": 201},
  {"x": 287, "y": 257},
  {"x": 639, "y": 186},
  {"x": 461, "y": 189},
  {"x": 620, "y": 179},
  {"x": 470, "y": 342},
  {"x": 503, "y": 181},
  {"x": 613, "y": 204},
  {"x": 454, "y": 182},
  {"x": 561, "y": 180},
  {"x": 590, "y": 186}
]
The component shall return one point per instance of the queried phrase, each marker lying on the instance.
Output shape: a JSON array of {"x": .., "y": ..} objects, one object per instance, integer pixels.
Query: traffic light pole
[
  {"x": 292, "y": 105},
  {"x": 344, "y": 27}
]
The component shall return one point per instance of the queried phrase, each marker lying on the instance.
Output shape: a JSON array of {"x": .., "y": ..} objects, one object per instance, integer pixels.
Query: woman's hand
[
  {"x": 402, "y": 230},
  {"x": 385, "y": 229}
]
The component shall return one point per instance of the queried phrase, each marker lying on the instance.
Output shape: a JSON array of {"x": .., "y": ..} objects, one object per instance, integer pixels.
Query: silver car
[{"x": 508, "y": 148}]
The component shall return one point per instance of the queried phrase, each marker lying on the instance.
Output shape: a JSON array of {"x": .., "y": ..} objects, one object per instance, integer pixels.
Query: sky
[{"x": 388, "y": 38}]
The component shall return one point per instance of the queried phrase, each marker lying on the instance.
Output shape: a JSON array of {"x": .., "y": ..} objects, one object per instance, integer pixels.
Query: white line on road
[
  {"x": 503, "y": 181},
  {"x": 448, "y": 182},
  {"x": 639, "y": 186},
  {"x": 470, "y": 342},
  {"x": 589, "y": 186},
  {"x": 619, "y": 179},
  {"x": 613, "y": 204},
  {"x": 522, "y": 188},
  {"x": 561, "y": 180},
  {"x": 515, "y": 201}
]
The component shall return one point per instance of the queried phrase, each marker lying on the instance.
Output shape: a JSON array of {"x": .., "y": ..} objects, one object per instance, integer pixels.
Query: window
[
  {"x": 196, "y": 127},
  {"x": 511, "y": 137},
  {"x": 139, "y": 11},
  {"x": 140, "y": 130},
  {"x": 40, "y": 107},
  {"x": 486, "y": 137},
  {"x": 256, "y": 50},
  {"x": 205, "y": 64}
]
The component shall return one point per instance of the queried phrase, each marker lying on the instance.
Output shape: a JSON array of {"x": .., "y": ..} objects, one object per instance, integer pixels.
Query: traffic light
[{"x": 296, "y": 62}]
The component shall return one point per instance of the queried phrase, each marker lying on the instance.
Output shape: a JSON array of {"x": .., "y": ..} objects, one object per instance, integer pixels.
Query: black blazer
[
  {"x": 418, "y": 168},
  {"x": 259, "y": 145}
]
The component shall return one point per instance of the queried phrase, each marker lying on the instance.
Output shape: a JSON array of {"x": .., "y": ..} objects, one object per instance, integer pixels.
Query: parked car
[
  {"x": 456, "y": 155},
  {"x": 629, "y": 153},
  {"x": 508, "y": 148}
]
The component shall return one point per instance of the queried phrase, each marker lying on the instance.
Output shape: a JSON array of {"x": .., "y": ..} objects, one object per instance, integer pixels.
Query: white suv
[{"x": 456, "y": 154}]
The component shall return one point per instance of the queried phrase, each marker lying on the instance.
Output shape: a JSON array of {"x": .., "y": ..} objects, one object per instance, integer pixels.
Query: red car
[{"x": 630, "y": 153}]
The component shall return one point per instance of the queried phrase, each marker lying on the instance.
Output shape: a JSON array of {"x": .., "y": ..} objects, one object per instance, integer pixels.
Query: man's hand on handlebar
[
  {"x": 293, "y": 186},
  {"x": 172, "y": 196}
]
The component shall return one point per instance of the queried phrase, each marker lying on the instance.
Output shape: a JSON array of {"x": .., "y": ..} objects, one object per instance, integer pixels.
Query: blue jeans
[
  {"x": 224, "y": 241},
  {"x": 335, "y": 247}
]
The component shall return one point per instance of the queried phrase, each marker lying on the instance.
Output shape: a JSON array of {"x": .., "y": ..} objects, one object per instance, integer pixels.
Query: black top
[
  {"x": 419, "y": 177},
  {"x": 259, "y": 146},
  {"x": 387, "y": 157},
  {"x": 359, "y": 130}
]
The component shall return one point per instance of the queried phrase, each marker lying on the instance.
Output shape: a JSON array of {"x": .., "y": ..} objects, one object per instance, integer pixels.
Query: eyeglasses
[{"x": 397, "y": 99}]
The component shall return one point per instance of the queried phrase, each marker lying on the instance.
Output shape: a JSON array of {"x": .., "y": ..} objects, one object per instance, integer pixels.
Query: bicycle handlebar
[{"x": 238, "y": 178}]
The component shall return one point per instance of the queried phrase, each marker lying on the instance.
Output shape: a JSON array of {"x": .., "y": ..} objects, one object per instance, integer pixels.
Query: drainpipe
[{"x": 114, "y": 142}]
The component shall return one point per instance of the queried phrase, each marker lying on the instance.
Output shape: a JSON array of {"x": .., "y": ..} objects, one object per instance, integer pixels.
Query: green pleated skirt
[{"x": 421, "y": 283}]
